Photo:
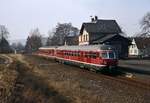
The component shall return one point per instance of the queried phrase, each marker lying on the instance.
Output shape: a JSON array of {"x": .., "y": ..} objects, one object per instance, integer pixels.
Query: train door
[
  {"x": 100, "y": 57},
  {"x": 81, "y": 56},
  {"x": 97, "y": 57},
  {"x": 94, "y": 57},
  {"x": 85, "y": 56},
  {"x": 76, "y": 55},
  {"x": 88, "y": 57}
]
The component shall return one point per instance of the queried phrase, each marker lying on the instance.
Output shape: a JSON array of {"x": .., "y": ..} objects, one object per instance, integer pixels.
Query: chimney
[
  {"x": 96, "y": 18},
  {"x": 92, "y": 19}
]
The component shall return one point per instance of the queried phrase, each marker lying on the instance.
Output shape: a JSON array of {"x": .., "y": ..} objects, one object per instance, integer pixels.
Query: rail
[{"x": 122, "y": 79}]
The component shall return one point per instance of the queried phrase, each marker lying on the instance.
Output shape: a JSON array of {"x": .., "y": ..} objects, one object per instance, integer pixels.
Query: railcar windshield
[
  {"x": 112, "y": 55},
  {"x": 104, "y": 55},
  {"x": 108, "y": 55}
]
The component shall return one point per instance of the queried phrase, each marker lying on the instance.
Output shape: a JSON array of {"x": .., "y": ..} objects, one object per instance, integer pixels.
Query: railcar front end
[{"x": 109, "y": 58}]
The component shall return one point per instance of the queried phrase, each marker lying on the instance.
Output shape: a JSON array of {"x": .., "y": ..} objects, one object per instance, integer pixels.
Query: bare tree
[
  {"x": 145, "y": 24},
  {"x": 3, "y": 32},
  {"x": 34, "y": 41},
  {"x": 4, "y": 44},
  {"x": 49, "y": 39},
  {"x": 61, "y": 32}
]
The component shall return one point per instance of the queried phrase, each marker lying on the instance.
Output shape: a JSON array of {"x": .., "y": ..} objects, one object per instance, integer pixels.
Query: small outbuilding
[{"x": 140, "y": 47}]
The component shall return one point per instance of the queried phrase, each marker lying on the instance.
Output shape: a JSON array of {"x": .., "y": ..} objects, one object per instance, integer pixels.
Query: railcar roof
[
  {"x": 48, "y": 47},
  {"x": 86, "y": 48}
]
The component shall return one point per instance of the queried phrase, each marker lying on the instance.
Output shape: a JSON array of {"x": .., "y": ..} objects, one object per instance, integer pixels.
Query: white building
[{"x": 140, "y": 47}]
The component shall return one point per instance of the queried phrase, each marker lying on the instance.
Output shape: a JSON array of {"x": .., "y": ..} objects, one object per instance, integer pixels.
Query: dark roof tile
[
  {"x": 108, "y": 37},
  {"x": 102, "y": 26}
]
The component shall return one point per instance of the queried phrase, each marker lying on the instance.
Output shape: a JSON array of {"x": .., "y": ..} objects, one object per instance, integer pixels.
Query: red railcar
[
  {"x": 96, "y": 56},
  {"x": 47, "y": 52}
]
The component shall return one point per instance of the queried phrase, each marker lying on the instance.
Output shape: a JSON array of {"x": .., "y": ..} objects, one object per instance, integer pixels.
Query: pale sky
[{"x": 20, "y": 16}]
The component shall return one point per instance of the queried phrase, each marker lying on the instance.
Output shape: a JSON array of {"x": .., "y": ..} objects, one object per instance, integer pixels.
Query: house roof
[
  {"x": 101, "y": 26},
  {"x": 142, "y": 42},
  {"x": 108, "y": 37},
  {"x": 86, "y": 47}
]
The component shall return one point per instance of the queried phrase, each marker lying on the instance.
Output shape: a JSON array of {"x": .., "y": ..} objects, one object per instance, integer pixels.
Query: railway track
[
  {"x": 84, "y": 82},
  {"x": 129, "y": 81},
  {"x": 122, "y": 79}
]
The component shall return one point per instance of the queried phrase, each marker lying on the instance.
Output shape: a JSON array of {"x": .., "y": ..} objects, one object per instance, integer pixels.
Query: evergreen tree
[{"x": 33, "y": 41}]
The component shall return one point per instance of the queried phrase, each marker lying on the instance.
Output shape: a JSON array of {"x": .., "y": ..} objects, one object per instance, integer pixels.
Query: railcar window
[
  {"x": 93, "y": 55},
  {"x": 79, "y": 54},
  {"x": 86, "y": 55},
  {"x": 112, "y": 55},
  {"x": 104, "y": 55},
  {"x": 75, "y": 54}
]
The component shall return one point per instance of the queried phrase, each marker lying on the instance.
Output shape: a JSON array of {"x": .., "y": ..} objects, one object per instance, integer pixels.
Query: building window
[
  {"x": 83, "y": 38},
  {"x": 80, "y": 38},
  {"x": 135, "y": 51},
  {"x": 133, "y": 46},
  {"x": 131, "y": 51},
  {"x": 87, "y": 37}
]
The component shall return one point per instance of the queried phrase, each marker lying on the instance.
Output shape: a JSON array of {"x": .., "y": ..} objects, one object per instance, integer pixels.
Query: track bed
[
  {"x": 39, "y": 80},
  {"x": 83, "y": 86}
]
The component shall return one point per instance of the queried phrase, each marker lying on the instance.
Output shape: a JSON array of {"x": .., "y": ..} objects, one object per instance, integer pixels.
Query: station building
[{"x": 100, "y": 31}]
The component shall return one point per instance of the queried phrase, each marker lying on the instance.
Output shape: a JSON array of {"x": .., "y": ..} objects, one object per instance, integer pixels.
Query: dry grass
[
  {"x": 7, "y": 81},
  {"x": 34, "y": 89}
]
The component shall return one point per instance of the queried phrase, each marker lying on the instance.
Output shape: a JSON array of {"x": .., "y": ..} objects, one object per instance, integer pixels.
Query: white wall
[
  {"x": 84, "y": 38},
  {"x": 133, "y": 50}
]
